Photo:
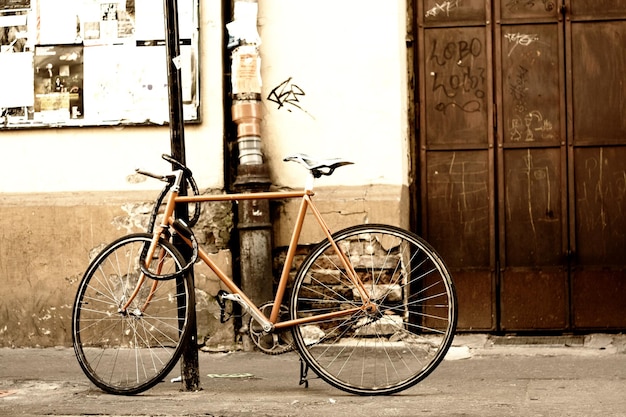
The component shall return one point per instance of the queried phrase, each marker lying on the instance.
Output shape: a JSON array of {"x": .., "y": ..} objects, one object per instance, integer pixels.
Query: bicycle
[{"x": 372, "y": 308}]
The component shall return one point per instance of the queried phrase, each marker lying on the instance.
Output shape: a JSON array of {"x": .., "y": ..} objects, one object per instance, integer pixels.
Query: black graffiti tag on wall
[
  {"x": 456, "y": 81},
  {"x": 286, "y": 94}
]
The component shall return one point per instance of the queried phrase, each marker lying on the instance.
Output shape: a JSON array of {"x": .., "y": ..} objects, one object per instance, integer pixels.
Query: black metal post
[
  {"x": 254, "y": 220},
  {"x": 189, "y": 367}
]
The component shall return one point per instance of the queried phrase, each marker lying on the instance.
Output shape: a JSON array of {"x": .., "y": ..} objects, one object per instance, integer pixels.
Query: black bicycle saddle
[{"x": 318, "y": 167}]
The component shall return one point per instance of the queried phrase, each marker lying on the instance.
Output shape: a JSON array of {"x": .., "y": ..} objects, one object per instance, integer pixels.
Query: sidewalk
[{"x": 482, "y": 376}]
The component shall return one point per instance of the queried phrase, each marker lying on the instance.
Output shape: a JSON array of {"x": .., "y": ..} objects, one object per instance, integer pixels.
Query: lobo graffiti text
[{"x": 456, "y": 82}]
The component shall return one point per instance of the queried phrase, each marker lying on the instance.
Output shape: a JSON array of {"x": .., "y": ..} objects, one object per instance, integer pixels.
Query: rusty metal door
[
  {"x": 596, "y": 90},
  {"x": 456, "y": 143},
  {"x": 522, "y": 144},
  {"x": 531, "y": 155}
]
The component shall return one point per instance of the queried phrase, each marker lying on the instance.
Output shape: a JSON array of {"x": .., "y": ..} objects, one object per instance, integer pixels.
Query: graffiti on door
[{"x": 456, "y": 82}]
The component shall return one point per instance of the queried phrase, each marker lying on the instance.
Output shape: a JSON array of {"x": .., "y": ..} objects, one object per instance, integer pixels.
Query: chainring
[{"x": 276, "y": 342}]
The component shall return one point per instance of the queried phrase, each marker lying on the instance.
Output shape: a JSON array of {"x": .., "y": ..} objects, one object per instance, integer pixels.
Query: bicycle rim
[
  {"x": 127, "y": 352},
  {"x": 403, "y": 339}
]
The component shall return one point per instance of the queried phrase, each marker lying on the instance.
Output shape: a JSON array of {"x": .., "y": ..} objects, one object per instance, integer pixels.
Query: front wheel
[
  {"x": 390, "y": 347},
  {"x": 128, "y": 330}
]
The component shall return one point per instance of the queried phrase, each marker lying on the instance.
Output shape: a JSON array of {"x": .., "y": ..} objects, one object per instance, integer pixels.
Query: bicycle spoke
[
  {"x": 129, "y": 351},
  {"x": 401, "y": 337}
]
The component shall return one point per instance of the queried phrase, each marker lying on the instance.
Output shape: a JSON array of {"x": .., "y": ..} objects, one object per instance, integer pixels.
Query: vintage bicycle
[{"x": 372, "y": 308}]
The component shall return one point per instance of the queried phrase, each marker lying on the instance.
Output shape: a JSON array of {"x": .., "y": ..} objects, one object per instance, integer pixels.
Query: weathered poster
[
  {"x": 14, "y": 4},
  {"x": 91, "y": 62},
  {"x": 58, "y": 83},
  {"x": 14, "y": 34},
  {"x": 108, "y": 22}
]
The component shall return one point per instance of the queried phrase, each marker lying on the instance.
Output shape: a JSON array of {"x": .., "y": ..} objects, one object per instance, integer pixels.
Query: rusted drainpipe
[{"x": 254, "y": 224}]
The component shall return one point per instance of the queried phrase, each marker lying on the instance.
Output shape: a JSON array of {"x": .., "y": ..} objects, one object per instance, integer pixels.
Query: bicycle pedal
[{"x": 221, "y": 299}]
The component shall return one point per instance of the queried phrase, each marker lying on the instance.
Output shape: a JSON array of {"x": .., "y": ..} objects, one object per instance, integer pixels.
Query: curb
[{"x": 465, "y": 346}]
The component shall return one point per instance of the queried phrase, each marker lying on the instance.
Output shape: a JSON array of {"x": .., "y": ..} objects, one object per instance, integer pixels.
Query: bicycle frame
[{"x": 306, "y": 205}]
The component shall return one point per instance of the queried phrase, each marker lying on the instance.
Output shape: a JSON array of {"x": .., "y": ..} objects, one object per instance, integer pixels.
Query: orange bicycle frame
[{"x": 273, "y": 321}]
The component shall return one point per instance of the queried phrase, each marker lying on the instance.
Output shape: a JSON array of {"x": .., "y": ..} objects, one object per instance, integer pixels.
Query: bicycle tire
[
  {"x": 129, "y": 352},
  {"x": 403, "y": 339}
]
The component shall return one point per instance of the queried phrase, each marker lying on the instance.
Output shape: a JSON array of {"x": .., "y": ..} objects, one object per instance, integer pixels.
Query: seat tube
[{"x": 291, "y": 252}]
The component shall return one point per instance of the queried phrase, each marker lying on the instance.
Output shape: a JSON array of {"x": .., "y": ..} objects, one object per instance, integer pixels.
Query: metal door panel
[
  {"x": 456, "y": 86},
  {"x": 596, "y": 59},
  {"x": 533, "y": 217},
  {"x": 455, "y": 12},
  {"x": 532, "y": 86},
  {"x": 456, "y": 148},
  {"x": 531, "y": 167},
  {"x": 534, "y": 299},
  {"x": 525, "y": 9},
  {"x": 599, "y": 299},
  {"x": 458, "y": 206},
  {"x": 599, "y": 84},
  {"x": 594, "y": 9},
  {"x": 460, "y": 226},
  {"x": 476, "y": 295},
  {"x": 600, "y": 206},
  {"x": 474, "y": 300}
]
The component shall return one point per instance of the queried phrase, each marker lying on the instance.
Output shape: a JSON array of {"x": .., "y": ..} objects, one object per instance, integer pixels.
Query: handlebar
[
  {"x": 165, "y": 178},
  {"x": 177, "y": 165}
]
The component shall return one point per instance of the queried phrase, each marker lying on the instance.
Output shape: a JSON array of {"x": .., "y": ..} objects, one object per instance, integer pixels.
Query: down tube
[{"x": 232, "y": 287}]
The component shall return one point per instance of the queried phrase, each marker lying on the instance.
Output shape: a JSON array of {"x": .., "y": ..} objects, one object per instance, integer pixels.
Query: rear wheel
[
  {"x": 397, "y": 343},
  {"x": 128, "y": 350}
]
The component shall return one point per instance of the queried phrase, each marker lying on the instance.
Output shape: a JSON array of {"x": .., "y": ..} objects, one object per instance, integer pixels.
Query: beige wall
[
  {"x": 101, "y": 159},
  {"x": 67, "y": 192},
  {"x": 349, "y": 59},
  {"x": 342, "y": 207},
  {"x": 46, "y": 244}
]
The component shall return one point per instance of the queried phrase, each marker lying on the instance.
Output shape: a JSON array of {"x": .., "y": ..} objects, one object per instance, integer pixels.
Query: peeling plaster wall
[
  {"x": 57, "y": 207},
  {"x": 48, "y": 240},
  {"x": 343, "y": 207}
]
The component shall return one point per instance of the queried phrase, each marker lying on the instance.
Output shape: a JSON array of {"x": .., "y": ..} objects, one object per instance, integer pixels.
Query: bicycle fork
[{"x": 140, "y": 282}]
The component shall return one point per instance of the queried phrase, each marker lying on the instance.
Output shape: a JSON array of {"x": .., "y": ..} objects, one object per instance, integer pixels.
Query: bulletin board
[{"x": 92, "y": 62}]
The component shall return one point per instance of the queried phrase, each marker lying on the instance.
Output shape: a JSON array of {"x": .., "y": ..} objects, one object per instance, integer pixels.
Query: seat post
[{"x": 310, "y": 182}]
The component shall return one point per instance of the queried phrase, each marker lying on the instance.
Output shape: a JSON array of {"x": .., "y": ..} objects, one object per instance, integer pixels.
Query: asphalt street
[{"x": 482, "y": 376}]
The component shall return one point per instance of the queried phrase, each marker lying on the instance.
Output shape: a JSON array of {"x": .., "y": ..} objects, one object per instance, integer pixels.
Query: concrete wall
[{"x": 64, "y": 193}]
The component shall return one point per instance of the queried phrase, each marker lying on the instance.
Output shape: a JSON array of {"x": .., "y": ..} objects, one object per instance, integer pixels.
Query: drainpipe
[{"x": 254, "y": 223}]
